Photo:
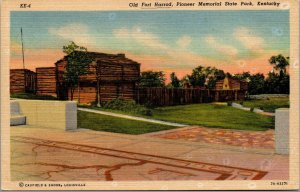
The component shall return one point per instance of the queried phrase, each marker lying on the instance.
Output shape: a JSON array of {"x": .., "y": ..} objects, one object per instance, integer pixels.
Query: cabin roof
[
  {"x": 107, "y": 58},
  {"x": 231, "y": 80}
]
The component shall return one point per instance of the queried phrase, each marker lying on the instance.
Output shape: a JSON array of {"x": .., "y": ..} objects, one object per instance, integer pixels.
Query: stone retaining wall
[{"x": 50, "y": 114}]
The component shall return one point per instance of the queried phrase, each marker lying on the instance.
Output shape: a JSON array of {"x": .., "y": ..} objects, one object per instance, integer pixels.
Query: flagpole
[
  {"x": 23, "y": 62},
  {"x": 22, "y": 48}
]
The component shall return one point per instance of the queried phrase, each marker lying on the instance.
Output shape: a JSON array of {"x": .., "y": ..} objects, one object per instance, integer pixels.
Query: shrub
[
  {"x": 242, "y": 102},
  {"x": 32, "y": 96},
  {"x": 127, "y": 106},
  {"x": 229, "y": 103},
  {"x": 149, "y": 104},
  {"x": 252, "y": 109},
  {"x": 261, "y": 108}
]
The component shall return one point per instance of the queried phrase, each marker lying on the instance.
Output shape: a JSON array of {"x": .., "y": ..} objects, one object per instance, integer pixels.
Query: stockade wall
[
  {"x": 179, "y": 96},
  {"x": 108, "y": 92},
  {"x": 46, "y": 81},
  {"x": 22, "y": 81}
]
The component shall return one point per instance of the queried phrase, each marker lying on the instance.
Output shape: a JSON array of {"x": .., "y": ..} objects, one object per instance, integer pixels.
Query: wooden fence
[{"x": 179, "y": 96}]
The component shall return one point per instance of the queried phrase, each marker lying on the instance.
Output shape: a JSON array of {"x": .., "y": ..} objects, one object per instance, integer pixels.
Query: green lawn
[
  {"x": 213, "y": 115},
  {"x": 100, "y": 122},
  {"x": 208, "y": 115},
  {"x": 32, "y": 96},
  {"x": 268, "y": 105}
]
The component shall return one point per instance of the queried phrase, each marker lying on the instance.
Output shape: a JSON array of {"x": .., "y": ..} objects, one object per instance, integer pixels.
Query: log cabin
[
  {"x": 229, "y": 89},
  {"x": 110, "y": 76},
  {"x": 231, "y": 84}
]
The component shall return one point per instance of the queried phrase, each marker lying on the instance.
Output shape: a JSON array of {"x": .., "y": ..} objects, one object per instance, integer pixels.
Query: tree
[
  {"x": 205, "y": 76},
  {"x": 152, "y": 79},
  {"x": 272, "y": 83},
  {"x": 197, "y": 78},
  {"x": 256, "y": 84},
  {"x": 78, "y": 61},
  {"x": 244, "y": 76},
  {"x": 278, "y": 79},
  {"x": 213, "y": 76},
  {"x": 256, "y": 81},
  {"x": 276, "y": 84},
  {"x": 174, "y": 80},
  {"x": 280, "y": 63},
  {"x": 98, "y": 77}
]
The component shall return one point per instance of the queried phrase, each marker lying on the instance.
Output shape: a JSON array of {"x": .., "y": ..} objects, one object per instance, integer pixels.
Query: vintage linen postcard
[{"x": 149, "y": 95}]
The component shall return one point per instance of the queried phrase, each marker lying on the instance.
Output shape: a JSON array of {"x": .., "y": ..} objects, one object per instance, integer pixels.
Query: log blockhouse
[
  {"x": 116, "y": 75},
  {"x": 22, "y": 81},
  {"x": 46, "y": 81}
]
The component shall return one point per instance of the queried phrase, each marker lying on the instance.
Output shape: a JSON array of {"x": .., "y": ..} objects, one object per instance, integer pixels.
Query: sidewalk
[
  {"x": 132, "y": 117},
  {"x": 54, "y": 155},
  {"x": 243, "y": 138},
  {"x": 255, "y": 110}
]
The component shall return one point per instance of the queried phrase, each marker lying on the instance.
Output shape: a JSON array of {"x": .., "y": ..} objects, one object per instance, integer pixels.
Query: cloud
[
  {"x": 15, "y": 49},
  {"x": 36, "y": 58},
  {"x": 249, "y": 39},
  {"x": 169, "y": 58},
  {"x": 184, "y": 41},
  {"x": 220, "y": 47},
  {"x": 77, "y": 32},
  {"x": 139, "y": 36}
]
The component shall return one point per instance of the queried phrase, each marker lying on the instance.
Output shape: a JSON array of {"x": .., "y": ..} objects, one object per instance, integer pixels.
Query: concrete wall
[
  {"x": 50, "y": 114},
  {"x": 282, "y": 131}
]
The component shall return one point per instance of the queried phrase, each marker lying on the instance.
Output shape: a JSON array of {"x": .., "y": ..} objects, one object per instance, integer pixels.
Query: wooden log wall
[
  {"x": 17, "y": 81},
  {"x": 108, "y": 92},
  {"x": 172, "y": 96},
  {"x": 179, "y": 96},
  {"x": 116, "y": 74},
  {"x": 219, "y": 85},
  {"x": 113, "y": 72},
  {"x": 46, "y": 81},
  {"x": 235, "y": 84},
  {"x": 22, "y": 81}
]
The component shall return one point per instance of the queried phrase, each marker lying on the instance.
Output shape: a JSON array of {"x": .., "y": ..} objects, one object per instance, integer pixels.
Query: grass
[
  {"x": 213, "y": 115},
  {"x": 32, "y": 96},
  {"x": 106, "y": 123},
  {"x": 209, "y": 115},
  {"x": 268, "y": 105}
]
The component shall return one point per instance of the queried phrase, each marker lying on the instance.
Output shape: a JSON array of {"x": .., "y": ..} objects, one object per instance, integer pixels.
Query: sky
[{"x": 169, "y": 41}]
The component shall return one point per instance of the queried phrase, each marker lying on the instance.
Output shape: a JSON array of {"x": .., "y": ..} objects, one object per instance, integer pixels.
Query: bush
[
  {"x": 242, "y": 102},
  {"x": 127, "y": 106},
  {"x": 252, "y": 109}
]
